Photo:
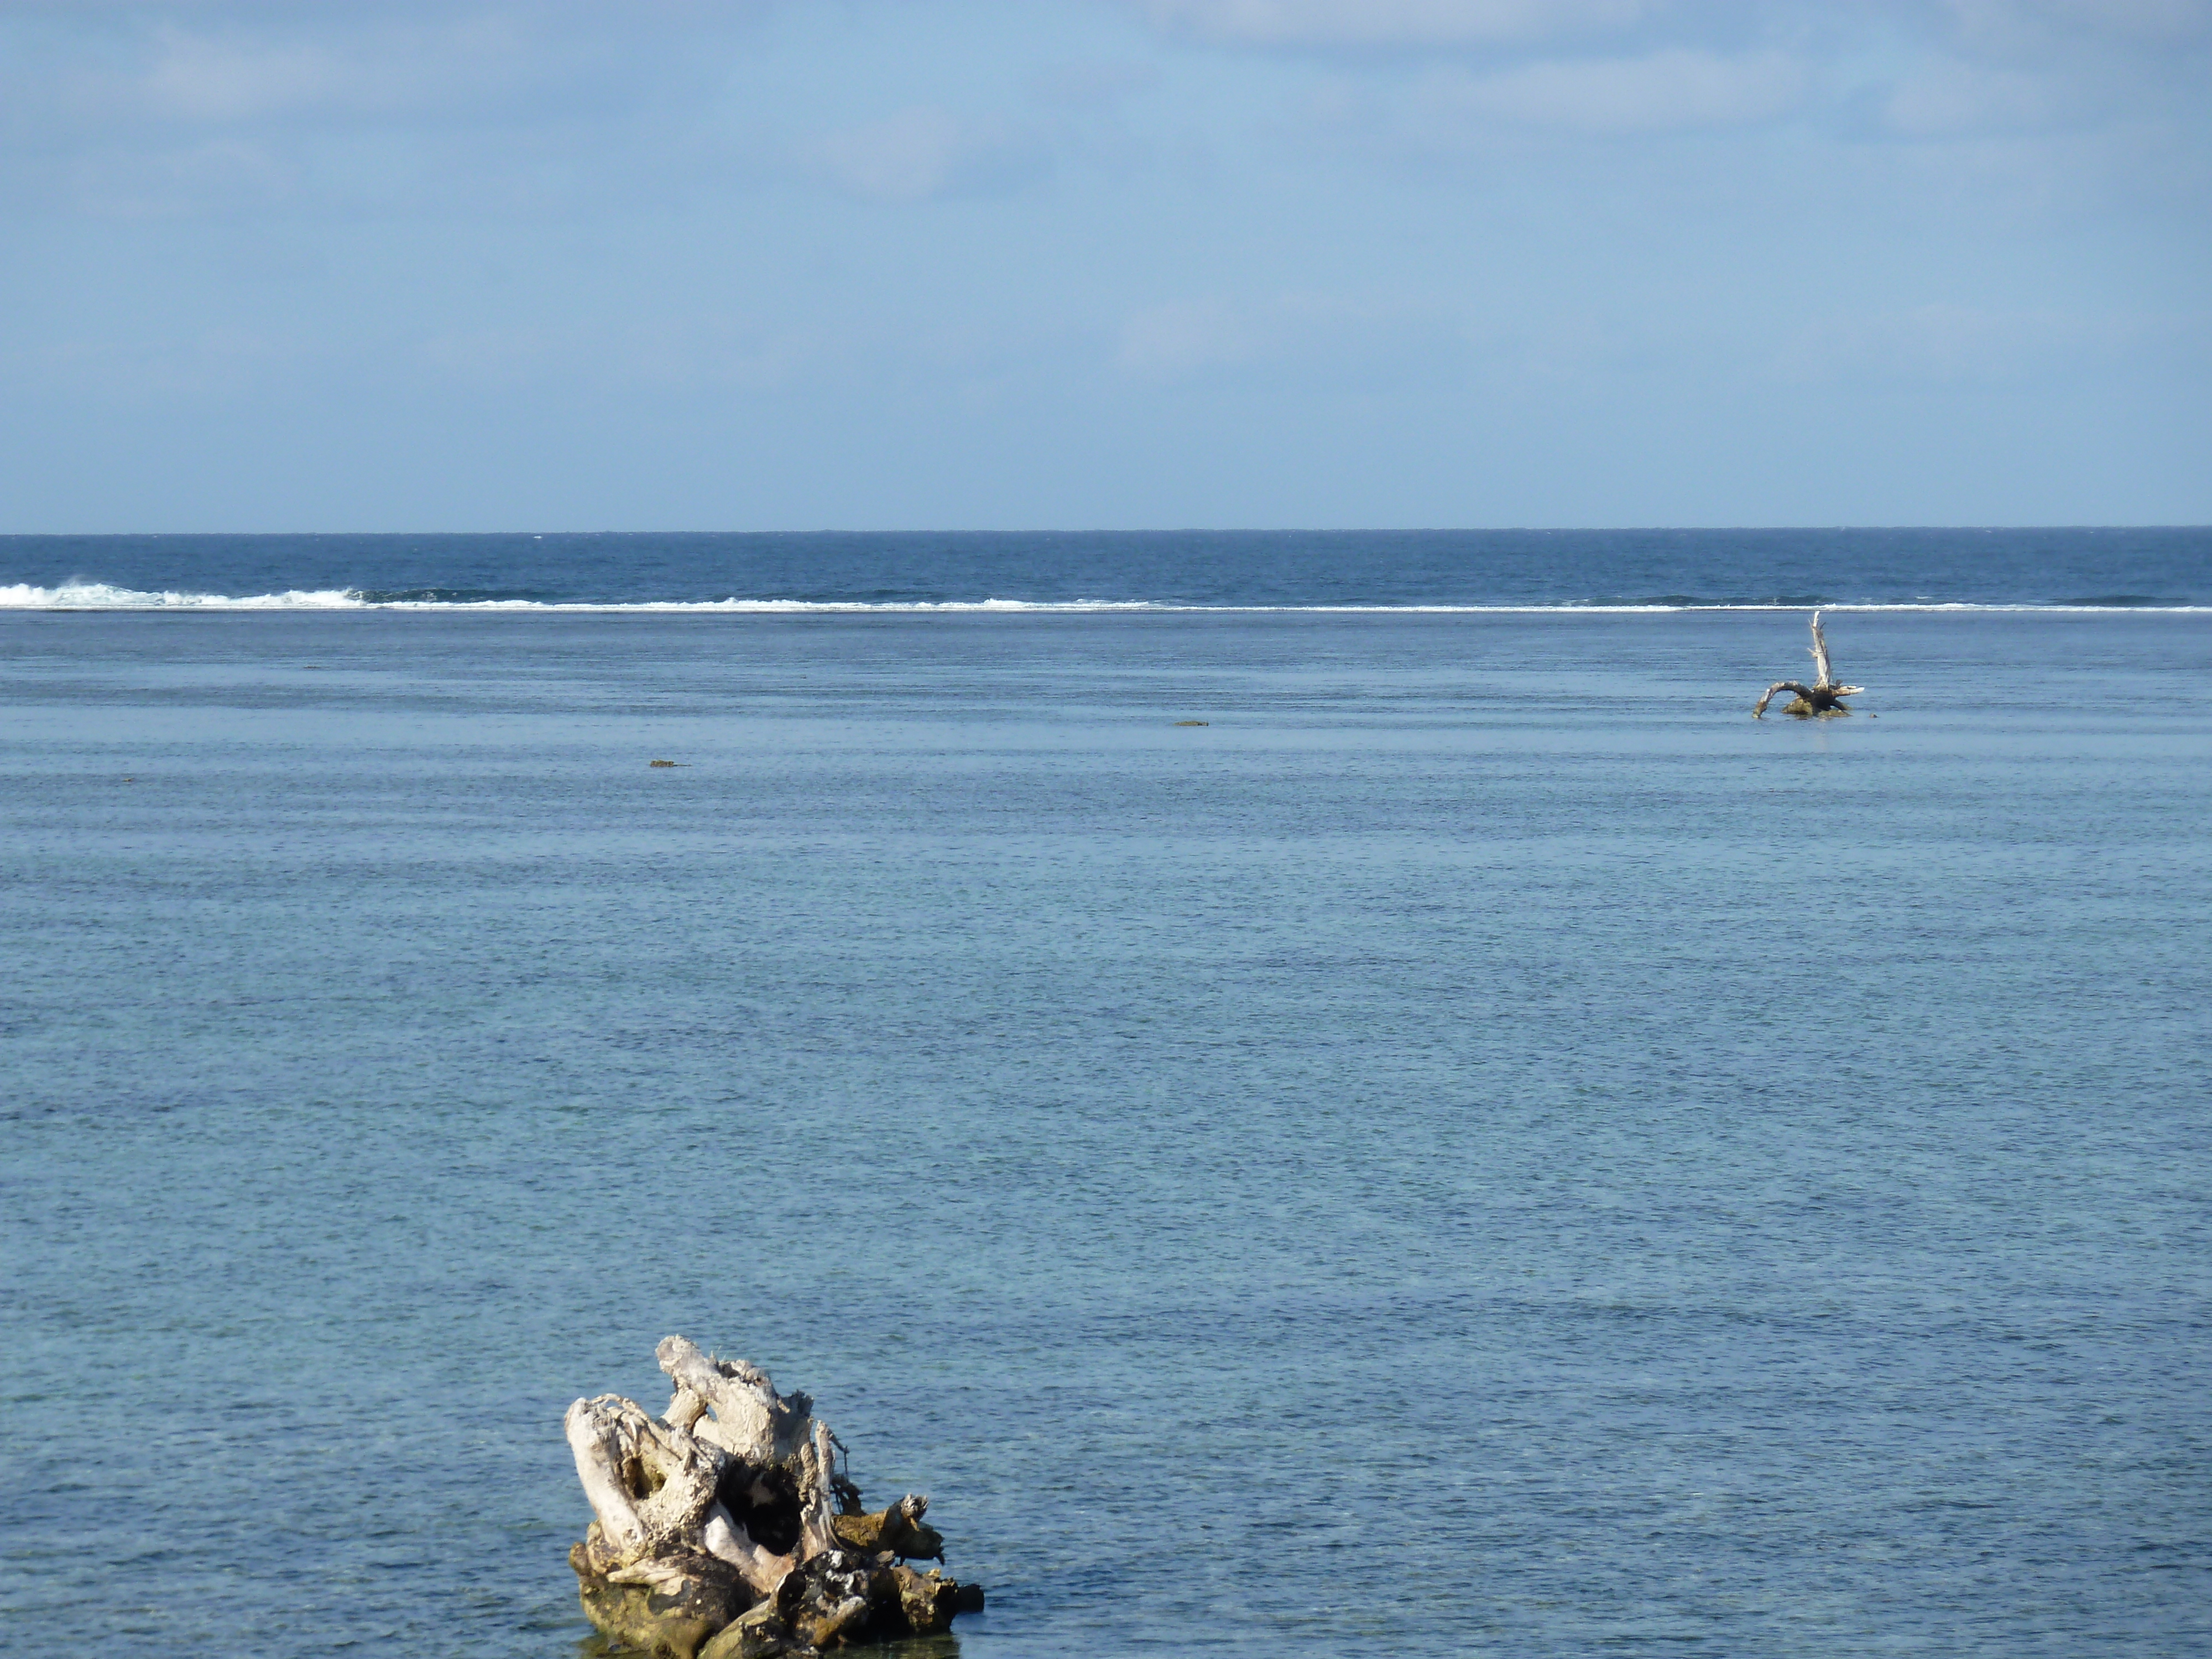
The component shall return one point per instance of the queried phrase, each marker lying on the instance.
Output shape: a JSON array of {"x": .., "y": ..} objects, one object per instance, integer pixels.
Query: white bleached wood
[
  {"x": 684, "y": 1409},
  {"x": 1824, "y": 696},
  {"x": 650, "y": 1485},
  {"x": 1820, "y": 652},
  {"x": 747, "y": 1415},
  {"x": 761, "y": 1567},
  {"x": 817, "y": 1512},
  {"x": 669, "y": 1565}
]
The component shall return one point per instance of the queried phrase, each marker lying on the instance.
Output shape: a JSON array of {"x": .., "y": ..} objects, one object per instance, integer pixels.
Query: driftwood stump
[
  {"x": 723, "y": 1529},
  {"x": 1824, "y": 696}
]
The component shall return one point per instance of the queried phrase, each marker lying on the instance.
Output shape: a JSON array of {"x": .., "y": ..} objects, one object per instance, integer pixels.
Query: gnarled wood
[
  {"x": 818, "y": 1510},
  {"x": 898, "y": 1530},
  {"x": 650, "y": 1484},
  {"x": 726, "y": 1539},
  {"x": 1820, "y": 653},
  {"x": 1823, "y": 696},
  {"x": 718, "y": 1532},
  {"x": 671, "y": 1606},
  {"x": 748, "y": 1416}
]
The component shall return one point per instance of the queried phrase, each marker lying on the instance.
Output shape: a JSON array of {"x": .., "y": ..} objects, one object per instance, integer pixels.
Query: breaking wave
[{"x": 104, "y": 595}]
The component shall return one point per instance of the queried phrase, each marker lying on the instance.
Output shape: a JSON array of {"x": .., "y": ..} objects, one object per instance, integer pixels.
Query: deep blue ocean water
[
  {"x": 1480, "y": 1148},
  {"x": 2096, "y": 568}
]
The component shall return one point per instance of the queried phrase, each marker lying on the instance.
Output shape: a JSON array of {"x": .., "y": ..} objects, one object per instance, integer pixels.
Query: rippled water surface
[{"x": 1480, "y": 1147}]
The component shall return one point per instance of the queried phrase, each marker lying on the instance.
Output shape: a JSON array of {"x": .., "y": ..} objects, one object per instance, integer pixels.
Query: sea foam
[{"x": 106, "y": 596}]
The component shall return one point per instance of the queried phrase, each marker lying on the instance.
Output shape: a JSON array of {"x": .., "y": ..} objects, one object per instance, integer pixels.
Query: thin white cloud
[
  {"x": 219, "y": 81},
  {"x": 160, "y": 111},
  {"x": 350, "y": 69},
  {"x": 1309, "y": 339},
  {"x": 1169, "y": 341},
  {"x": 2004, "y": 27},
  {"x": 926, "y": 151},
  {"x": 1668, "y": 91},
  {"x": 1948, "y": 345},
  {"x": 2041, "y": 25},
  {"x": 1386, "y": 22},
  {"x": 1946, "y": 99}
]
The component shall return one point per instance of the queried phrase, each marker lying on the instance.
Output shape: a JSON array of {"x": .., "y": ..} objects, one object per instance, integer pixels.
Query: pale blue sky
[{"x": 894, "y": 264}]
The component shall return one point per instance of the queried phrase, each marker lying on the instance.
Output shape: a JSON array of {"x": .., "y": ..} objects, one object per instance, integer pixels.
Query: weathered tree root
[
  {"x": 1824, "y": 696},
  {"x": 723, "y": 1529}
]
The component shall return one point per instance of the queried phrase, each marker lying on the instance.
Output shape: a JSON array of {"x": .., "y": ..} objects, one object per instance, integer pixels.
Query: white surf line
[{"x": 102, "y": 596}]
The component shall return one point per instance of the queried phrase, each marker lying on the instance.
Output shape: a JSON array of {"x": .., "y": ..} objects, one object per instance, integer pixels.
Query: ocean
[{"x": 1480, "y": 1147}]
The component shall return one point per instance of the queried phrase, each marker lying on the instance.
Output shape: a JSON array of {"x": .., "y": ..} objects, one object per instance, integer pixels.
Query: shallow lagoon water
[{"x": 1480, "y": 1148}]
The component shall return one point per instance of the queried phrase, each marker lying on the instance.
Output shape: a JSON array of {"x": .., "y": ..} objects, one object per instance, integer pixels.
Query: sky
[{"x": 775, "y": 265}]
